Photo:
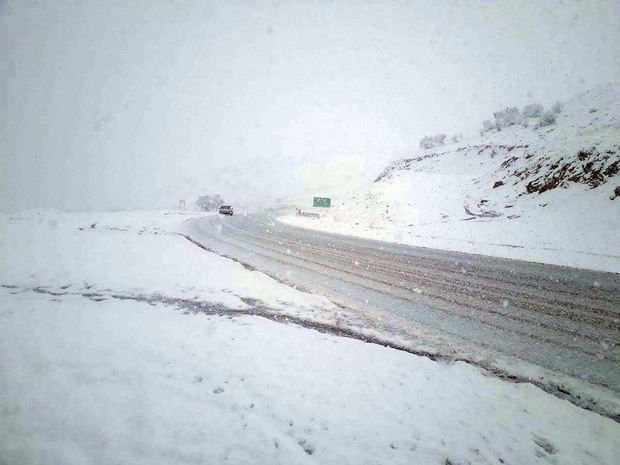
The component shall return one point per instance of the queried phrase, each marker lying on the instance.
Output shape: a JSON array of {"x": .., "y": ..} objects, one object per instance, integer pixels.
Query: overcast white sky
[{"x": 108, "y": 104}]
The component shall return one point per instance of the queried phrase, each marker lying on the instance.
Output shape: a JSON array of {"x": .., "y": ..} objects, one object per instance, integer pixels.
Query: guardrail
[{"x": 308, "y": 214}]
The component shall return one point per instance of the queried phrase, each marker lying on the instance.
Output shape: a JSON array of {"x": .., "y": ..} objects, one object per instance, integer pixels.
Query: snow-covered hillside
[{"x": 534, "y": 193}]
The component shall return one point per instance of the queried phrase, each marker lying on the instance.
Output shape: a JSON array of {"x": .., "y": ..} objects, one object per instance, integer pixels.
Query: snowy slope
[
  {"x": 540, "y": 194},
  {"x": 100, "y": 363},
  {"x": 134, "y": 255}
]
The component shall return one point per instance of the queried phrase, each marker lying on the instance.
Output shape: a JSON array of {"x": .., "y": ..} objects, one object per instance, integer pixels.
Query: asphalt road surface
[{"x": 560, "y": 318}]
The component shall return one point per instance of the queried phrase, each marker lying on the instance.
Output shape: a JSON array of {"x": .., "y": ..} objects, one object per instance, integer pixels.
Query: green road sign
[{"x": 321, "y": 202}]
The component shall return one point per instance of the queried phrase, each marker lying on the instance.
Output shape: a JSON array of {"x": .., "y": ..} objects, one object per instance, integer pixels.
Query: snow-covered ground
[
  {"x": 136, "y": 254},
  {"x": 533, "y": 194},
  {"x": 97, "y": 366}
]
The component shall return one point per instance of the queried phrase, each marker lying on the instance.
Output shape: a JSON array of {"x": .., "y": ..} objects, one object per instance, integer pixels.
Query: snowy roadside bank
[
  {"x": 132, "y": 254},
  {"x": 148, "y": 383},
  {"x": 564, "y": 238},
  {"x": 124, "y": 381}
]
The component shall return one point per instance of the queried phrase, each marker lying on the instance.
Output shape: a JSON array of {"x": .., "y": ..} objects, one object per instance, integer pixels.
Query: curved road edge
[{"x": 578, "y": 393}]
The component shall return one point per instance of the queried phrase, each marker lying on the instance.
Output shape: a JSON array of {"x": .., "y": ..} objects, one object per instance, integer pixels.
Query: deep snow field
[
  {"x": 121, "y": 342},
  {"x": 536, "y": 194}
]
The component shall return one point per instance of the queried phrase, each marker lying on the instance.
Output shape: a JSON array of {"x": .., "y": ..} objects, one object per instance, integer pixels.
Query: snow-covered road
[
  {"x": 122, "y": 342},
  {"x": 562, "y": 319}
]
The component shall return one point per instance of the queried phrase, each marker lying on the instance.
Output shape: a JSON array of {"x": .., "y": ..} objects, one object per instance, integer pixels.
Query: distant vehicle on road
[{"x": 226, "y": 210}]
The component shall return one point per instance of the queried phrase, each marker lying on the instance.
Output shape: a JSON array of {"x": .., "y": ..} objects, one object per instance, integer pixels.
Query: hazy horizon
[{"x": 108, "y": 105}]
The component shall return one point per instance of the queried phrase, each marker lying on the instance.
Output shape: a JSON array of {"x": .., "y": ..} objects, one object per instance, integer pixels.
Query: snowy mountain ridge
[{"x": 534, "y": 193}]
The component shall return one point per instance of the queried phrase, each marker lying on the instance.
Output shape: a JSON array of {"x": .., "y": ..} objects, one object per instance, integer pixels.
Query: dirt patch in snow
[{"x": 589, "y": 167}]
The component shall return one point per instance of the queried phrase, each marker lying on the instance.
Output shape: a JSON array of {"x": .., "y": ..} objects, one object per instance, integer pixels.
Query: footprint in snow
[
  {"x": 306, "y": 446},
  {"x": 545, "y": 444}
]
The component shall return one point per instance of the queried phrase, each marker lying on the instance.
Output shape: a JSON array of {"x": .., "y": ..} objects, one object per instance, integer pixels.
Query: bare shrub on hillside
[
  {"x": 508, "y": 117},
  {"x": 428, "y": 142},
  {"x": 486, "y": 126},
  {"x": 546, "y": 119},
  {"x": 533, "y": 110}
]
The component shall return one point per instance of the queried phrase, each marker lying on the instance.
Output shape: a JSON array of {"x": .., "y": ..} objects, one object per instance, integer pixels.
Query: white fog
[{"x": 116, "y": 105}]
